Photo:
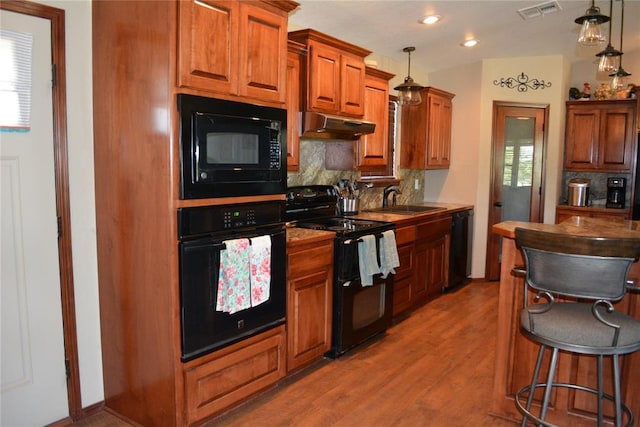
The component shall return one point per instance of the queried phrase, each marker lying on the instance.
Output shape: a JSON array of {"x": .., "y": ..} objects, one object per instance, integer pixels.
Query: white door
[{"x": 34, "y": 388}]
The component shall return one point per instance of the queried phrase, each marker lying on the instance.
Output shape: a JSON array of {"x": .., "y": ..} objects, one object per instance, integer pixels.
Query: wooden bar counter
[{"x": 515, "y": 355}]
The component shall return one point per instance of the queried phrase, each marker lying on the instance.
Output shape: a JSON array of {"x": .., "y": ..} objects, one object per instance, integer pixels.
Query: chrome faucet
[{"x": 390, "y": 189}]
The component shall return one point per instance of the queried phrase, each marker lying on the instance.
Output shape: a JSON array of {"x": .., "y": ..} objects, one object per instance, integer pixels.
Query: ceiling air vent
[{"x": 539, "y": 10}]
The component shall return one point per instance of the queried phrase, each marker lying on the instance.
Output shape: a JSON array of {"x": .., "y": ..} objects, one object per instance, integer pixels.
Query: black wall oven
[
  {"x": 203, "y": 232},
  {"x": 230, "y": 149}
]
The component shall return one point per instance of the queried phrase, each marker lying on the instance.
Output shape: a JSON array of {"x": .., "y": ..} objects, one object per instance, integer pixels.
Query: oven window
[
  {"x": 233, "y": 148},
  {"x": 368, "y": 305}
]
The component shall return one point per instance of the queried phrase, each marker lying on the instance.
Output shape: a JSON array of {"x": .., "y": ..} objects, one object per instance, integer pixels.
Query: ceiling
[{"x": 386, "y": 27}]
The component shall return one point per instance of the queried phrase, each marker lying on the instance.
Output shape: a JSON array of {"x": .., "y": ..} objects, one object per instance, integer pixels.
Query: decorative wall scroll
[{"x": 521, "y": 83}]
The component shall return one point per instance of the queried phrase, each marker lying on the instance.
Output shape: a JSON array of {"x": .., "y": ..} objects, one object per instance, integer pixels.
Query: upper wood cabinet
[
  {"x": 600, "y": 136},
  {"x": 294, "y": 84},
  {"x": 426, "y": 131},
  {"x": 373, "y": 149},
  {"x": 233, "y": 48},
  {"x": 335, "y": 73}
]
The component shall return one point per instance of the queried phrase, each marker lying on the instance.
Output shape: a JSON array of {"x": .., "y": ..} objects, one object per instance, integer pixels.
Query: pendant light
[
  {"x": 609, "y": 57},
  {"x": 409, "y": 91},
  {"x": 591, "y": 33},
  {"x": 620, "y": 76}
]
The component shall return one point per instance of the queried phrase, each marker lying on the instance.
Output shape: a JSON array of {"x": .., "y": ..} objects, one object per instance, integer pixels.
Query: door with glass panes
[{"x": 516, "y": 171}]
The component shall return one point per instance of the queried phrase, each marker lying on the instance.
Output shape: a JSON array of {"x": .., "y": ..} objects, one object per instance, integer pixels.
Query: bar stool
[{"x": 588, "y": 274}]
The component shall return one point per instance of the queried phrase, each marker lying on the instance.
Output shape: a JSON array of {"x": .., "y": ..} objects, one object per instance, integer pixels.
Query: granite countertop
[
  {"x": 599, "y": 206},
  {"x": 302, "y": 235},
  {"x": 299, "y": 235},
  {"x": 578, "y": 226},
  {"x": 448, "y": 208}
]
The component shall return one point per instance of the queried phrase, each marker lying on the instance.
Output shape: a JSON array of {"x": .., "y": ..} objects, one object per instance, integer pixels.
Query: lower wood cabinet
[
  {"x": 309, "y": 300},
  {"x": 423, "y": 249},
  {"x": 432, "y": 257},
  {"x": 565, "y": 212},
  {"x": 221, "y": 379},
  {"x": 405, "y": 278}
]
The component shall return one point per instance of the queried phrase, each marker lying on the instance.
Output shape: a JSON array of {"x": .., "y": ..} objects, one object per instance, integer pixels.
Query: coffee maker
[{"x": 616, "y": 191}]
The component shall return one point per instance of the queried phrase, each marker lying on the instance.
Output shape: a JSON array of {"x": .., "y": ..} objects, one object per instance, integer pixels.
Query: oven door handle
[
  {"x": 352, "y": 241},
  {"x": 250, "y": 236}
]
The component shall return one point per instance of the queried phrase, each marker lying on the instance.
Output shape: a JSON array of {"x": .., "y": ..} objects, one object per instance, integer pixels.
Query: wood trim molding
[{"x": 59, "y": 96}]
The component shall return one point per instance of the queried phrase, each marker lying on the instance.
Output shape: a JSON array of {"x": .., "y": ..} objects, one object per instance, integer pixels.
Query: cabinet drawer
[
  {"x": 240, "y": 371},
  {"x": 435, "y": 228},
  {"x": 309, "y": 259},
  {"x": 405, "y": 235}
]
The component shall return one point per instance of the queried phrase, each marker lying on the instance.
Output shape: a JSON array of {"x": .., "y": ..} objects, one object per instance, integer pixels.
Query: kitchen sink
[{"x": 406, "y": 209}]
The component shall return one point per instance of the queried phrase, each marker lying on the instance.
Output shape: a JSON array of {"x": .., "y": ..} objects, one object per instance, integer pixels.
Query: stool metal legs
[
  {"x": 548, "y": 386},
  {"x": 600, "y": 390},
  {"x": 534, "y": 380},
  {"x": 534, "y": 384}
]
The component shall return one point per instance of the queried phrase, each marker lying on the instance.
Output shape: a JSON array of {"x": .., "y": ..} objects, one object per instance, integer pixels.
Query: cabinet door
[
  {"x": 581, "y": 140},
  {"x": 404, "y": 279},
  {"x": 293, "y": 107},
  {"x": 309, "y": 302},
  {"x": 309, "y": 336},
  {"x": 432, "y": 256},
  {"x": 207, "y": 45},
  {"x": 262, "y": 43},
  {"x": 616, "y": 139},
  {"x": 439, "y": 132},
  {"x": 352, "y": 80},
  {"x": 323, "y": 79},
  {"x": 437, "y": 265},
  {"x": 419, "y": 286},
  {"x": 373, "y": 148},
  {"x": 426, "y": 131},
  {"x": 413, "y": 147}
]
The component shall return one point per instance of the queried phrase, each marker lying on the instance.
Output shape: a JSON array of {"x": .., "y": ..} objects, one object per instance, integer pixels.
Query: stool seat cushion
[{"x": 573, "y": 327}]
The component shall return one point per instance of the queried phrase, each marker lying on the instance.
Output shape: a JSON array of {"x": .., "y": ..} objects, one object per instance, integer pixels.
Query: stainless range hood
[{"x": 324, "y": 126}]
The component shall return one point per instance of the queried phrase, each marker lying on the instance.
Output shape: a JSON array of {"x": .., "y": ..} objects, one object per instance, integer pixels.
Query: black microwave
[{"x": 230, "y": 148}]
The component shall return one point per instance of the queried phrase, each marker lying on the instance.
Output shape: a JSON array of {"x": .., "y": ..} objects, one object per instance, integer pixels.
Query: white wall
[
  {"x": 82, "y": 195},
  {"x": 468, "y": 179}
]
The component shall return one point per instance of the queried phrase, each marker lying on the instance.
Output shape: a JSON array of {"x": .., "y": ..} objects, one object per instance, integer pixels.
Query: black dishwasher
[{"x": 460, "y": 255}]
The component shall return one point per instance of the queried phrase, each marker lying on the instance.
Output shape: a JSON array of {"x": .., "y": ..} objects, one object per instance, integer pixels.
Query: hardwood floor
[{"x": 434, "y": 368}]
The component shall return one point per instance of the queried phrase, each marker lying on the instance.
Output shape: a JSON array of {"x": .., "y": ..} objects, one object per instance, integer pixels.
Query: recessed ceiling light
[
  {"x": 430, "y": 19},
  {"x": 469, "y": 43}
]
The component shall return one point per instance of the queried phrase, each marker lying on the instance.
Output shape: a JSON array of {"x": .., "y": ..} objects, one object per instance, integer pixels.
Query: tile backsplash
[
  {"x": 313, "y": 171},
  {"x": 597, "y": 186}
]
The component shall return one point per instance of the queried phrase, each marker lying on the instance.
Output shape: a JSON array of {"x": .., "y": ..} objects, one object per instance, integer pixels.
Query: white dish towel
[
  {"x": 389, "y": 259},
  {"x": 367, "y": 259}
]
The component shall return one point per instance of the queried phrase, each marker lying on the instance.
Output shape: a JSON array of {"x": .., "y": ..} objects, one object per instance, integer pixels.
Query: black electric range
[
  {"x": 315, "y": 207},
  {"x": 360, "y": 312}
]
